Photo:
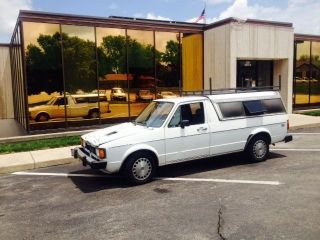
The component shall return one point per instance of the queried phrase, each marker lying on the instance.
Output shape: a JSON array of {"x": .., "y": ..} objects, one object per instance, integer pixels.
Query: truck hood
[{"x": 116, "y": 132}]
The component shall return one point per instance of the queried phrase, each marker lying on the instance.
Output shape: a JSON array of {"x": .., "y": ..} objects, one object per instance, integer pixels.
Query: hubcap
[
  {"x": 259, "y": 149},
  {"x": 141, "y": 168}
]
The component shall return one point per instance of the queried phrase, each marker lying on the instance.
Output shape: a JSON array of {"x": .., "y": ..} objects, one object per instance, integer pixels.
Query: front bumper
[
  {"x": 288, "y": 138},
  {"x": 86, "y": 159}
]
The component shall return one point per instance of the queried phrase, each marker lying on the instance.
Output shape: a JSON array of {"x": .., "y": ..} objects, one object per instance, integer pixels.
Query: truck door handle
[{"x": 202, "y": 129}]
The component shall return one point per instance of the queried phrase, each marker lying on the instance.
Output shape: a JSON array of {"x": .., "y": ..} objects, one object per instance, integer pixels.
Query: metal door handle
[{"x": 202, "y": 129}]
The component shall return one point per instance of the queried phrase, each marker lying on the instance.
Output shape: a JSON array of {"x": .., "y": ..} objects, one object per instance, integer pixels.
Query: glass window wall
[
  {"x": 302, "y": 73},
  {"x": 307, "y": 73},
  {"x": 141, "y": 74},
  {"x": 112, "y": 74},
  {"x": 79, "y": 58},
  {"x": 167, "y": 57},
  {"x": 81, "y": 75},
  {"x": 44, "y": 75},
  {"x": 315, "y": 73}
]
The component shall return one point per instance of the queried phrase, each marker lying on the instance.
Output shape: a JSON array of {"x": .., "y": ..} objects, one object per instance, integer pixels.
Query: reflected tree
[{"x": 43, "y": 64}]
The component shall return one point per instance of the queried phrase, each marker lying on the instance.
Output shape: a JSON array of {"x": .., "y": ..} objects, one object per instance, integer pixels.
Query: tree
[{"x": 43, "y": 63}]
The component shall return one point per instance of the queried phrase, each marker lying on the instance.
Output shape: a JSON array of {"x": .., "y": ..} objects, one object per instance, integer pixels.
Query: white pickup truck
[{"x": 187, "y": 128}]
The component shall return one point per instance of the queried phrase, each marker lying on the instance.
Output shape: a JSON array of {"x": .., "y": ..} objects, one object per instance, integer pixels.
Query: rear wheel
[
  {"x": 258, "y": 148},
  {"x": 140, "y": 168}
]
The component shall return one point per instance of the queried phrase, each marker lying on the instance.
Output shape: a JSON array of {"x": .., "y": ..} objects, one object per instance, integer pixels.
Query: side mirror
[{"x": 185, "y": 123}]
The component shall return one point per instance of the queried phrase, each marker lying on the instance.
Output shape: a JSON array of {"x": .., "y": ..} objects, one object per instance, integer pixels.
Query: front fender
[{"x": 140, "y": 147}]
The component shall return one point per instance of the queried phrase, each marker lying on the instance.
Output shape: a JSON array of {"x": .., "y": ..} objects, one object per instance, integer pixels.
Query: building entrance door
[{"x": 254, "y": 73}]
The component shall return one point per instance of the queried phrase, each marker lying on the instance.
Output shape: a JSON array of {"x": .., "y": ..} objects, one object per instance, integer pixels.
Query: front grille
[{"x": 90, "y": 148}]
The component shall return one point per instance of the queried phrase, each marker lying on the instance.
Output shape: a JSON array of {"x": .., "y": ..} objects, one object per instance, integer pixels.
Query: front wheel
[
  {"x": 94, "y": 114},
  {"x": 258, "y": 149},
  {"x": 140, "y": 168}
]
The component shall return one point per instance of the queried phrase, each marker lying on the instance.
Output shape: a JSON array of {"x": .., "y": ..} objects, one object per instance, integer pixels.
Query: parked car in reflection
[
  {"x": 145, "y": 95},
  {"x": 118, "y": 94},
  {"x": 81, "y": 105},
  {"x": 166, "y": 95}
]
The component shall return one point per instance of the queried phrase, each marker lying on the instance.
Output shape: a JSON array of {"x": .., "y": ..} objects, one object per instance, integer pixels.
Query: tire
[
  {"x": 42, "y": 117},
  {"x": 94, "y": 114},
  {"x": 140, "y": 168},
  {"x": 258, "y": 148}
]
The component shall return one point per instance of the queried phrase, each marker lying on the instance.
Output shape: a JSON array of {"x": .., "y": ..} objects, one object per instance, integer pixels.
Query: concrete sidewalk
[
  {"x": 14, "y": 162},
  {"x": 298, "y": 121},
  {"x": 50, "y": 157}
]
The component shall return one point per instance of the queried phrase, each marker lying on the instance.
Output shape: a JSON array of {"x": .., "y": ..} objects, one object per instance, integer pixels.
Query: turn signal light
[
  {"x": 288, "y": 125},
  {"x": 102, "y": 153},
  {"x": 81, "y": 142}
]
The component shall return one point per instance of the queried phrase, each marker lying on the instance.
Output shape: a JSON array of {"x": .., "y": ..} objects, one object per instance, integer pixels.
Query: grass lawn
[
  {"x": 313, "y": 113},
  {"x": 39, "y": 144}
]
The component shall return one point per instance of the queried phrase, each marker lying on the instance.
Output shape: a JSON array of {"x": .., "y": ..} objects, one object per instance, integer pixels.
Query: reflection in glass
[
  {"x": 112, "y": 74},
  {"x": 140, "y": 47},
  {"x": 315, "y": 73},
  {"x": 44, "y": 73},
  {"x": 302, "y": 72},
  {"x": 167, "y": 64},
  {"x": 80, "y": 73}
]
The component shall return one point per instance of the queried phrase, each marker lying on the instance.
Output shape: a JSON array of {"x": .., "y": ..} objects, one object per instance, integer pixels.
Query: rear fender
[{"x": 257, "y": 131}]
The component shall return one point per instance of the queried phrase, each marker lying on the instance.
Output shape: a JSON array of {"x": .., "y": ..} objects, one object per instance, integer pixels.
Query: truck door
[
  {"x": 57, "y": 110},
  {"x": 187, "y": 134}
]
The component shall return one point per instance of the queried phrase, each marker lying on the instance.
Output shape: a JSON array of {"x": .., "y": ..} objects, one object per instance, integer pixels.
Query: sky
[{"x": 304, "y": 14}]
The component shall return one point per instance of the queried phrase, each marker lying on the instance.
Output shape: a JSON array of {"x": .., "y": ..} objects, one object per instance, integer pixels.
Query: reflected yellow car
[{"x": 81, "y": 105}]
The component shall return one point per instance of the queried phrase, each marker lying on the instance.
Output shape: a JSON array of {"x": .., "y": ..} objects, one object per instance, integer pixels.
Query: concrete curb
[
  {"x": 311, "y": 125},
  {"x": 35, "y": 159}
]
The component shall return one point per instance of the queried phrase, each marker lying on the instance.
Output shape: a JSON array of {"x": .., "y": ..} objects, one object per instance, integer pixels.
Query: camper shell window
[
  {"x": 232, "y": 109},
  {"x": 273, "y": 105},
  {"x": 254, "y": 107},
  {"x": 240, "y": 109}
]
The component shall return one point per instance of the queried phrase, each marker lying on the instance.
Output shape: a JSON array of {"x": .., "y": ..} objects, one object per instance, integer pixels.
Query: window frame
[{"x": 179, "y": 107}]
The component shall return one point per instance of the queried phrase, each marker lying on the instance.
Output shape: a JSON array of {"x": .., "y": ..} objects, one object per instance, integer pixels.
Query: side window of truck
[
  {"x": 273, "y": 105},
  {"x": 193, "y": 112},
  {"x": 61, "y": 101},
  {"x": 251, "y": 108}
]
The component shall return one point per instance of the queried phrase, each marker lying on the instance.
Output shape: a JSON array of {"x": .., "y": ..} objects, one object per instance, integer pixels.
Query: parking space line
[
  {"x": 295, "y": 149},
  {"x": 60, "y": 174},
  {"x": 158, "y": 178},
  {"x": 305, "y": 133},
  {"x": 221, "y": 180}
]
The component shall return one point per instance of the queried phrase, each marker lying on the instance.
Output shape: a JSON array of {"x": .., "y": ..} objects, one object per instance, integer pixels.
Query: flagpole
[{"x": 205, "y": 17}]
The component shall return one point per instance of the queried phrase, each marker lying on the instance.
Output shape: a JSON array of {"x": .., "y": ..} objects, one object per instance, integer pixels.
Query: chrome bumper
[{"x": 86, "y": 159}]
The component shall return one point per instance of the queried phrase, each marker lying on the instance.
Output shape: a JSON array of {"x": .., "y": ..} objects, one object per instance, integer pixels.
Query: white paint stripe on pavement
[
  {"x": 159, "y": 178},
  {"x": 59, "y": 174},
  {"x": 295, "y": 149},
  {"x": 221, "y": 180},
  {"x": 305, "y": 133}
]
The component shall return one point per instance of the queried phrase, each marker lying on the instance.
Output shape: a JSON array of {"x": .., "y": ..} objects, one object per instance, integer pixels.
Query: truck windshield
[{"x": 154, "y": 114}]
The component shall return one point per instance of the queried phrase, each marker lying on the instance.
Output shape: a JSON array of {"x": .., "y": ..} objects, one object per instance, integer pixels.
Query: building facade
[{"x": 65, "y": 66}]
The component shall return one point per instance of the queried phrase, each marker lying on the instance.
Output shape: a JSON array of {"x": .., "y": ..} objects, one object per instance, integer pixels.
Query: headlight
[{"x": 101, "y": 153}]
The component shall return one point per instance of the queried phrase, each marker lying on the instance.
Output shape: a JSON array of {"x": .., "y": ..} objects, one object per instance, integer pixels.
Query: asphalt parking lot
[{"x": 219, "y": 198}]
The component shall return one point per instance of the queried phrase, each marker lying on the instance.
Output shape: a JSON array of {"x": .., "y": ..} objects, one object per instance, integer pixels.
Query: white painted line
[
  {"x": 159, "y": 178},
  {"x": 60, "y": 174},
  {"x": 295, "y": 149},
  {"x": 221, "y": 180},
  {"x": 305, "y": 133}
]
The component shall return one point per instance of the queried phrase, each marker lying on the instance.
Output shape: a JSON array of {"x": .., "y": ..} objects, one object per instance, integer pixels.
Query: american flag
[{"x": 202, "y": 16}]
